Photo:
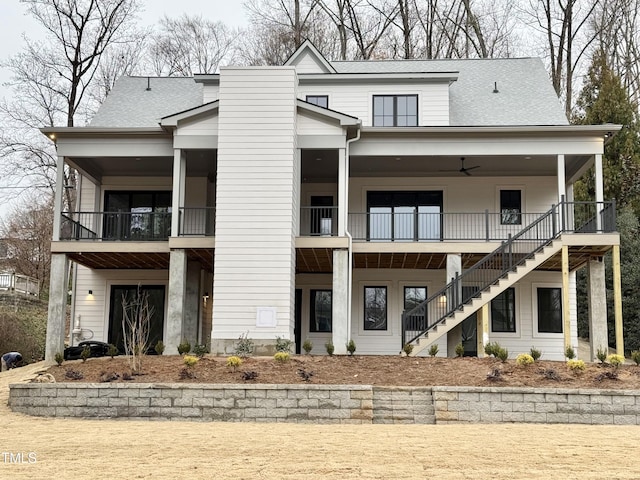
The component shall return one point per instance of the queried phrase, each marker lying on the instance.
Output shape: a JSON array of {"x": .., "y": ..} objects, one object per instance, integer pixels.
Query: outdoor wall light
[
  {"x": 205, "y": 297},
  {"x": 443, "y": 299},
  {"x": 90, "y": 292}
]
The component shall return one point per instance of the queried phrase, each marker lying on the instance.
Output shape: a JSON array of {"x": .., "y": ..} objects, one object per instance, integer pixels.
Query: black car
[{"x": 98, "y": 349}]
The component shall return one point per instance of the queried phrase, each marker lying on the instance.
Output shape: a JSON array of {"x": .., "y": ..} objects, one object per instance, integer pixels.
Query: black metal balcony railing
[
  {"x": 125, "y": 226},
  {"x": 318, "y": 221},
  {"x": 200, "y": 221},
  {"x": 566, "y": 217}
]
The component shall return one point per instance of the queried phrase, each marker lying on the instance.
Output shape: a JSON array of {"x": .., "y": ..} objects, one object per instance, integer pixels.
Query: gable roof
[
  {"x": 130, "y": 104},
  {"x": 308, "y": 50}
]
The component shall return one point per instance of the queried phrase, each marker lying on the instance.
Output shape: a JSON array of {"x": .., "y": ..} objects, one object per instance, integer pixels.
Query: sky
[{"x": 14, "y": 23}]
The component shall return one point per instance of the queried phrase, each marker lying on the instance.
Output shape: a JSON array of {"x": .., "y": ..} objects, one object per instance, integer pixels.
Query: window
[
  {"x": 320, "y": 311},
  {"x": 510, "y": 207},
  {"x": 395, "y": 110},
  {"x": 503, "y": 312},
  {"x": 549, "y": 310},
  {"x": 414, "y": 296},
  {"x": 319, "y": 100},
  {"x": 404, "y": 216},
  {"x": 375, "y": 308},
  {"x": 137, "y": 215}
]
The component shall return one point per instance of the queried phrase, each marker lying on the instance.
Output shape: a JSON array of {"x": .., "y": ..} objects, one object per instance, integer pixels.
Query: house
[{"x": 388, "y": 202}]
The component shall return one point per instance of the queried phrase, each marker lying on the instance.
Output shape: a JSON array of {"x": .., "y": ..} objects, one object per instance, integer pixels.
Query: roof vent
[
  {"x": 495, "y": 87},
  {"x": 148, "y": 84}
]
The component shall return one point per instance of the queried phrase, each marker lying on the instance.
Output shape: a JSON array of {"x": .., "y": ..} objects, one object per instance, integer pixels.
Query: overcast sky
[{"x": 14, "y": 22}]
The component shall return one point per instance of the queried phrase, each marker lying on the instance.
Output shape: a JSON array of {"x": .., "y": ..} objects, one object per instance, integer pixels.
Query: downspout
[
  {"x": 346, "y": 232},
  {"x": 75, "y": 331}
]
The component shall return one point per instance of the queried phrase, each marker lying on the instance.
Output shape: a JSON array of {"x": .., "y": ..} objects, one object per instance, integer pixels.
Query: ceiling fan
[{"x": 463, "y": 169}]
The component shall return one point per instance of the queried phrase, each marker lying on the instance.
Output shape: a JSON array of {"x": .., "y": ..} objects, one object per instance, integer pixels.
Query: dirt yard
[{"x": 68, "y": 449}]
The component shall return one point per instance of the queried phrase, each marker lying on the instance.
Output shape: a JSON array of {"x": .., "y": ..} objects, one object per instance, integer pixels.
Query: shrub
[
  {"x": 234, "y": 362},
  {"x": 433, "y": 350},
  {"x": 184, "y": 347},
  {"x": 569, "y": 353},
  {"x": 576, "y": 365},
  {"x": 306, "y": 376},
  {"x": 282, "y": 357},
  {"x": 200, "y": 350},
  {"x": 459, "y": 350},
  {"x": 59, "y": 358},
  {"x": 329, "y": 347},
  {"x": 635, "y": 356},
  {"x": 407, "y": 349},
  {"x": 86, "y": 353},
  {"x": 159, "y": 347},
  {"x": 190, "y": 360},
  {"x": 307, "y": 346},
  {"x": 495, "y": 375},
  {"x": 601, "y": 355},
  {"x": 615, "y": 360},
  {"x": 609, "y": 375},
  {"x": 73, "y": 375},
  {"x": 283, "y": 344},
  {"x": 351, "y": 347},
  {"x": 492, "y": 348},
  {"x": 244, "y": 346},
  {"x": 524, "y": 359},
  {"x": 502, "y": 354},
  {"x": 113, "y": 350},
  {"x": 250, "y": 375},
  {"x": 535, "y": 354},
  {"x": 187, "y": 373}
]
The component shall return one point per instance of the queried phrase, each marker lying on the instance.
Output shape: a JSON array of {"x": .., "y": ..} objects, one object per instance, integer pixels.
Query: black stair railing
[{"x": 578, "y": 217}]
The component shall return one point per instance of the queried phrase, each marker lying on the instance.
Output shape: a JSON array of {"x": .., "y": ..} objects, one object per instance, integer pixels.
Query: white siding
[
  {"x": 307, "y": 63},
  {"x": 210, "y": 93},
  {"x": 205, "y": 125},
  {"x": 256, "y": 214},
  {"x": 357, "y": 100},
  {"x": 310, "y": 126},
  {"x": 93, "y": 310}
]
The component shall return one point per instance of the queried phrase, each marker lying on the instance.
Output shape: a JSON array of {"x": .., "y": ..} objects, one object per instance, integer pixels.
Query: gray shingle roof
[
  {"x": 130, "y": 104},
  {"x": 526, "y": 96}
]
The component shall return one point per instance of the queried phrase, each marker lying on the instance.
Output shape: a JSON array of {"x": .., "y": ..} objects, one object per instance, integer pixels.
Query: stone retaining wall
[
  {"x": 536, "y": 405},
  {"x": 326, "y": 403}
]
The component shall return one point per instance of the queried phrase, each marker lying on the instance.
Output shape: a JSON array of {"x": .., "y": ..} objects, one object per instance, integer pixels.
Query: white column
[
  {"x": 343, "y": 201},
  {"x": 599, "y": 190},
  {"x": 58, "y": 198},
  {"x": 340, "y": 303},
  {"x": 454, "y": 267},
  {"x": 562, "y": 192},
  {"x": 598, "y": 336},
  {"x": 58, "y": 285},
  {"x": 177, "y": 199}
]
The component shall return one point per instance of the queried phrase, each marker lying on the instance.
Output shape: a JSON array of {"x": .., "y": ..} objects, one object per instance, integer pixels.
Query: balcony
[
  {"x": 116, "y": 226},
  {"x": 318, "y": 221},
  {"x": 197, "y": 222}
]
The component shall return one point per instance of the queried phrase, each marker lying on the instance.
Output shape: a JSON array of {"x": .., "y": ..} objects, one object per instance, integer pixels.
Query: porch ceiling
[
  {"x": 122, "y": 260},
  {"x": 578, "y": 256},
  {"x": 314, "y": 260},
  {"x": 202, "y": 255}
]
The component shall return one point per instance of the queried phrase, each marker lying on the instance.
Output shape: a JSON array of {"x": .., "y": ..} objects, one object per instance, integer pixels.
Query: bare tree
[
  {"x": 190, "y": 44},
  {"x": 136, "y": 322},
  {"x": 26, "y": 233},
  {"x": 51, "y": 80}
]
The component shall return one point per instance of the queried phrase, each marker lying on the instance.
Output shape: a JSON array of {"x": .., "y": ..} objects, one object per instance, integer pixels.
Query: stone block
[
  {"x": 340, "y": 394},
  {"x": 579, "y": 398},
  {"x": 324, "y": 403},
  {"x": 150, "y": 393},
  {"x": 623, "y": 400},
  {"x": 546, "y": 408},
  {"x": 67, "y": 392},
  {"x": 298, "y": 413},
  {"x": 128, "y": 392},
  {"x": 139, "y": 402},
  {"x": 617, "y": 409},
  {"x": 118, "y": 402},
  {"x": 320, "y": 394},
  {"x": 266, "y": 403},
  {"x": 223, "y": 402},
  {"x": 625, "y": 419},
  {"x": 469, "y": 397},
  {"x": 512, "y": 397},
  {"x": 286, "y": 403},
  {"x": 171, "y": 393},
  {"x": 49, "y": 392},
  {"x": 530, "y": 417},
  {"x": 213, "y": 393},
  {"x": 97, "y": 402},
  {"x": 350, "y": 404},
  {"x": 501, "y": 406},
  {"x": 458, "y": 406},
  {"x": 356, "y": 395},
  {"x": 604, "y": 419},
  {"x": 255, "y": 412},
  {"x": 581, "y": 418},
  {"x": 471, "y": 417},
  {"x": 557, "y": 417},
  {"x": 603, "y": 399},
  {"x": 233, "y": 393},
  {"x": 556, "y": 398},
  {"x": 514, "y": 417},
  {"x": 276, "y": 394},
  {"x": 183, "y": 402},
  {"x": 361, "y": 414},
  {"x": 257, "y": 393},
  {"x": 441, "y": 396},
  {"x": 245, "y": 403},
  {"x": 108, "y": 392},
  {"x": 277, "y": 412},
  {"x": 445, "y": 415},
  {"x": 441, "y": 405},
  {"x": 491, "y": 417},
  {"x": 525, "y": 407},
  {"x": 188, "y": 412},
  {"x": 480, "y": 406},
  {"x": 203, "y": 402}
]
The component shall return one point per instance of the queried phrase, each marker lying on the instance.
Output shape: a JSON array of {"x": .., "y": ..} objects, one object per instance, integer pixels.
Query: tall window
[
  {"x": 137, "y": 215},
  {"x": 319, "y": 100},
  {"x": 510, "y": 207},
  {"x": 549, "y": 310},
  {"x": 503, "y": 312},
  {"x": 414, "y": 296},
  {"x": 375, "y": 308},
  {"x": 404, "y": 216},
  {"x": 395, "y": 110},
  {"x": 320, "y": 311}
]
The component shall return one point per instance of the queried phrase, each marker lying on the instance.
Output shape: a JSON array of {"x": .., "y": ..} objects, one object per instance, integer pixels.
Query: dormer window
[
  {"x": 319, "y": 100},
  {"x": 395, "y": 110}
]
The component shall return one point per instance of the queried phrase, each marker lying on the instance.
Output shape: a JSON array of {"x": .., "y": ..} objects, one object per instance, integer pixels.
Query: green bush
[
  {"x": 459, "y": 350},
  {"x": 307, "y": 346},
  {"x": 569, "y": 353},
  {"x": 24, "y": 329},
  {"x": 282, "y": 357},
  {"x": 524, "y": 359},
  {"x": 635, "y": 356},
  {"x": 112, "y": 351},
  {"x": 283, "y": 344},
  {"x": 535, "y": 354},
  {"x": 491, "y": 349},
  {"x": 329, "y": 348},
  {"x": 433, "y": 350},
  {"x": 59, "y": 358},
  {"x": 408, "y": 349},
  {"x": 601, "y": 355},
  {"x": 234, "y": 362},
  {"x": 184, "y": 347},
  {"x": 86, "y": 353},
  {"x": 200, "y": 350},
  {"x": 502, "y": 354},
  {"x": 351, "y": 347},
  {"x": 244, "y": 346},
  {"x": 159, "y": 347}
]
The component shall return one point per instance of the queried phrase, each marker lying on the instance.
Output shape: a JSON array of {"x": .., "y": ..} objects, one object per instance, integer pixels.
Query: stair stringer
[{"x": 486, "y": 296}]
